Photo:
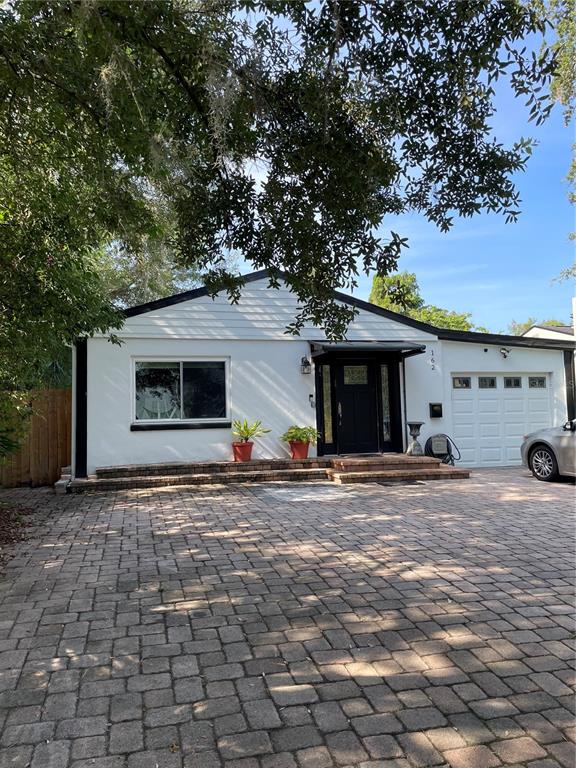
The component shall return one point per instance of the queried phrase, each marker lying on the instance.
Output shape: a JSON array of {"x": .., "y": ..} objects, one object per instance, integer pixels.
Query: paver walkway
[{"x": 277, "y": 626}]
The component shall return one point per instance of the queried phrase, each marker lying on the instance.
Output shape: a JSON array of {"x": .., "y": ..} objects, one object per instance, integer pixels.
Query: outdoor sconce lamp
[{"x": 305, "y": 365}]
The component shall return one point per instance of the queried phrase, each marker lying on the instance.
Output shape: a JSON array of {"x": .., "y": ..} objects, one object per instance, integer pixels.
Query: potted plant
[
  {"x": 299, "y": 439},
  {"x": 244, "y": 431}
]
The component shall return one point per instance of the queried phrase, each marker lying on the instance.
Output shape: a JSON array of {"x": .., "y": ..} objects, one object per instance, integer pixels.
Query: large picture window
[{"x": 180, "y": 391}]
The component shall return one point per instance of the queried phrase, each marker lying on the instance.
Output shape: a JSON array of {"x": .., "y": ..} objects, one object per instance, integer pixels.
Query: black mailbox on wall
[{"x": 435, "y": 410}]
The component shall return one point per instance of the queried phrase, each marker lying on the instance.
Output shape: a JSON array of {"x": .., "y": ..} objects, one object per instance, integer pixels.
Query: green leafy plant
[
  {"x": 141, "y": 123},
  {"x": 296, "y": 434},
  {"x": 245, "y": 431}
]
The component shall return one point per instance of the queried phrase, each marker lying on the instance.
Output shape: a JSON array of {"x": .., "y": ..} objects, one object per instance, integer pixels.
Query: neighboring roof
[
  {"x": 442, "y": 333},
  {"x": 567, "y": 329}
]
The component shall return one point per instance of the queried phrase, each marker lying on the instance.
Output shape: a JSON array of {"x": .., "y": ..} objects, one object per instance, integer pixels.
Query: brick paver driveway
[{"x": 277, "y": 626}]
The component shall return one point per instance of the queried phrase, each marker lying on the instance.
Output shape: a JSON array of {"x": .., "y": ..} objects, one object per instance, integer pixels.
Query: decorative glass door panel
[{"x": 386, "y": 425}]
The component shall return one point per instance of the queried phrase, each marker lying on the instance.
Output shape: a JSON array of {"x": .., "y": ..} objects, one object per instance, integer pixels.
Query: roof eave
[{"x": 474, "y": 337}]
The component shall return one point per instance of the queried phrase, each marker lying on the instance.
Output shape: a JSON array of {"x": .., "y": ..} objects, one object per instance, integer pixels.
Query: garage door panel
[
  {"x": 490, "y": 455},
  {"x": 464, "y": 432},
  {"x": 514, "y": 406},
  {"x": 463, "y": 406},
  {"x": 489, "y": 406},
  {"x": 512, "y": 455},
  {"x": 468, "y": 455},
  {"x": 488, "y": 425},
  {"x": 489, "y": 430},
  {"x": 538, "y": 407},
  {"x": 534, "y": 426},
  {"x": 514, "y": 430}
]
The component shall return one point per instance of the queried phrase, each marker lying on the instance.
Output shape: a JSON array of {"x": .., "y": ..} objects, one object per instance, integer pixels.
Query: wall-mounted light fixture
[
  {"x": 305, "y": 365},
  {"x": 504, "y": 351}
]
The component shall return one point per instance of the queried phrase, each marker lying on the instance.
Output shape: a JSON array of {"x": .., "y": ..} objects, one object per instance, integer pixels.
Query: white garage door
[{"x": 492, "y": 412}]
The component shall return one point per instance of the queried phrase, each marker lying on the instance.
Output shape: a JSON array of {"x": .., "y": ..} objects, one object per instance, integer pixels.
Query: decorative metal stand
[{"x": 415, "y": 449}]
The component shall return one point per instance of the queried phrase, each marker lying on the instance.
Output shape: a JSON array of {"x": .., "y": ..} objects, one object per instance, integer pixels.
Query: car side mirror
[{"x": 570, "y": 426}]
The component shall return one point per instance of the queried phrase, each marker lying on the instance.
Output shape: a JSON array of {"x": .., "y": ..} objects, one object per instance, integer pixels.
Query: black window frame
[
  {"x": 181, "y": 422},
  {"x": 487, "y": 378},
  {"x": 537, "y": 386},
  {"x": 462, "y": 378},
  {"x": 512, "y": 378}
]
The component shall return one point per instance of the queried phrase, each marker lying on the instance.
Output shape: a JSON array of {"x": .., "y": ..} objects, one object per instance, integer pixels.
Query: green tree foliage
[
  {"x": 518, "y": 328},
  {"x": 401, "y": 293},
  {"x": 280, "y": 130},
  {"x": 132, "y": 278},
  {"x": 353, "y": 109},
  {"x": 561, "y": 15},
  {"x": 49, "y": 292}
]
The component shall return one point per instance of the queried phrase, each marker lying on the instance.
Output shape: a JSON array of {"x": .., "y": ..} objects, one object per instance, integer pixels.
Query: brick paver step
[
  {"x": 209, "y": 467},
  {"x": 159, "y": 481},
  {"x": 390, "y": 467},
  {"x": 399, "y": 475},
  {"x": 383, "y": 461}
]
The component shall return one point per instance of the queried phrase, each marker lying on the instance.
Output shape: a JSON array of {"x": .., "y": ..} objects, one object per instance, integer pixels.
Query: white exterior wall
[
  {"x": 262, "y": 313},
  {"x": 424, "y": 385},
  {"x": 429, "y": 382},
  {"x": 264, "y": 383},
  {"x": 264, "y": 378},
  {"x": 264, "y": 373},
  {"x": 471, "y": 358}
]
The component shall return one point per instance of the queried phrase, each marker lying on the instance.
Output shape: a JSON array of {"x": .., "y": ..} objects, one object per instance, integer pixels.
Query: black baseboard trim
[{"x": 180, "y": 425}]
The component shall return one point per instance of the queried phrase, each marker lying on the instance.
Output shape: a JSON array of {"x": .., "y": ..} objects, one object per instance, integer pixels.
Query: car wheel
[{"x": 543, "y": 464}]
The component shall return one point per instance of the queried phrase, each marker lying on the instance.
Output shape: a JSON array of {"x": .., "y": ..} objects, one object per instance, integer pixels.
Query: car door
[{"x": 565, "y": 450}]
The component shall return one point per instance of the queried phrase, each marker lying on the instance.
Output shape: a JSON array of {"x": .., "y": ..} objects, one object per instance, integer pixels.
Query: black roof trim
[
  {"x": 441, "y": 333},
  {"x": 376, "y": 310},
  {"x": 474, "y": 337}
]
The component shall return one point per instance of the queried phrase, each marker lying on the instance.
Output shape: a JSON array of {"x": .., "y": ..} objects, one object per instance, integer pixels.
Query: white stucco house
[{"x": 189, "y": 364}]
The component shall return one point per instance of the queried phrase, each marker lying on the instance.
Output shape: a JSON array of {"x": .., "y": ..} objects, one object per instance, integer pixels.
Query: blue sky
[{"x": 502, "y": 272}]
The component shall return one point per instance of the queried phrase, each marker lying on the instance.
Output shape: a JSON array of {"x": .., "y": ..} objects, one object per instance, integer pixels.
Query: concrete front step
[
  {"x": 210, "y": 467},
  {"x": 199, "y": 478},
  {"x": 399, "y": 475}
]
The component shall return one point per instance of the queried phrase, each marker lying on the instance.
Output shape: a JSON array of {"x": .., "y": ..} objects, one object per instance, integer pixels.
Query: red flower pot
[
  {"x": 299, "y": 450},
  {"x": 242, "y": 451}
]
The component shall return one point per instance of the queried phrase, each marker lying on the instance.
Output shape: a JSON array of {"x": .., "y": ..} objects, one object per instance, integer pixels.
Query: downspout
[
  {"x": 570, "y": 384},
  {"x": 80, "y": 444},
  {"x": 404, "y": 420}
]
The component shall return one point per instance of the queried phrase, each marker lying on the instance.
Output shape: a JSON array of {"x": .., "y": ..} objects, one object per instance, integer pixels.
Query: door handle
[{"x": 340, "y": 413}]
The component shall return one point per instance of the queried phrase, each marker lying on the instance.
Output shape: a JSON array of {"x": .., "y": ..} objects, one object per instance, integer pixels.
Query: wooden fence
[{"x": 47, "y": 447}]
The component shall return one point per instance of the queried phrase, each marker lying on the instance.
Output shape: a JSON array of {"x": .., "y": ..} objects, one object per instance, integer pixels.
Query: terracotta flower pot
[
  {"x": 242, "y": 451},
  {"x": 299, "y": 450}
]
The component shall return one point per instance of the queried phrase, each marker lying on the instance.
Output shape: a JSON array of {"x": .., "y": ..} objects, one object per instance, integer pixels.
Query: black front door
[{"x": 356, "y": 385}]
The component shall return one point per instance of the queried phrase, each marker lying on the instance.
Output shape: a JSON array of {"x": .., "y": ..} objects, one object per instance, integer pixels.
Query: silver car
[{"x": 551, "y": 452}]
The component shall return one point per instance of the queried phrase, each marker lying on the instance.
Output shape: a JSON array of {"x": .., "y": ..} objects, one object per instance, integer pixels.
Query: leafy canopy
[
  {"x": 281, "y": 131},
  {"x": 401, "y": 293},
  {"x": 561, "y": 15}
]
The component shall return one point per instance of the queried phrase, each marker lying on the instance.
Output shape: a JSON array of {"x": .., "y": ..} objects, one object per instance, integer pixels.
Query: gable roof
[
  {"x": 442, "y": 333},
  {"x": 567, "y": 329}
]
